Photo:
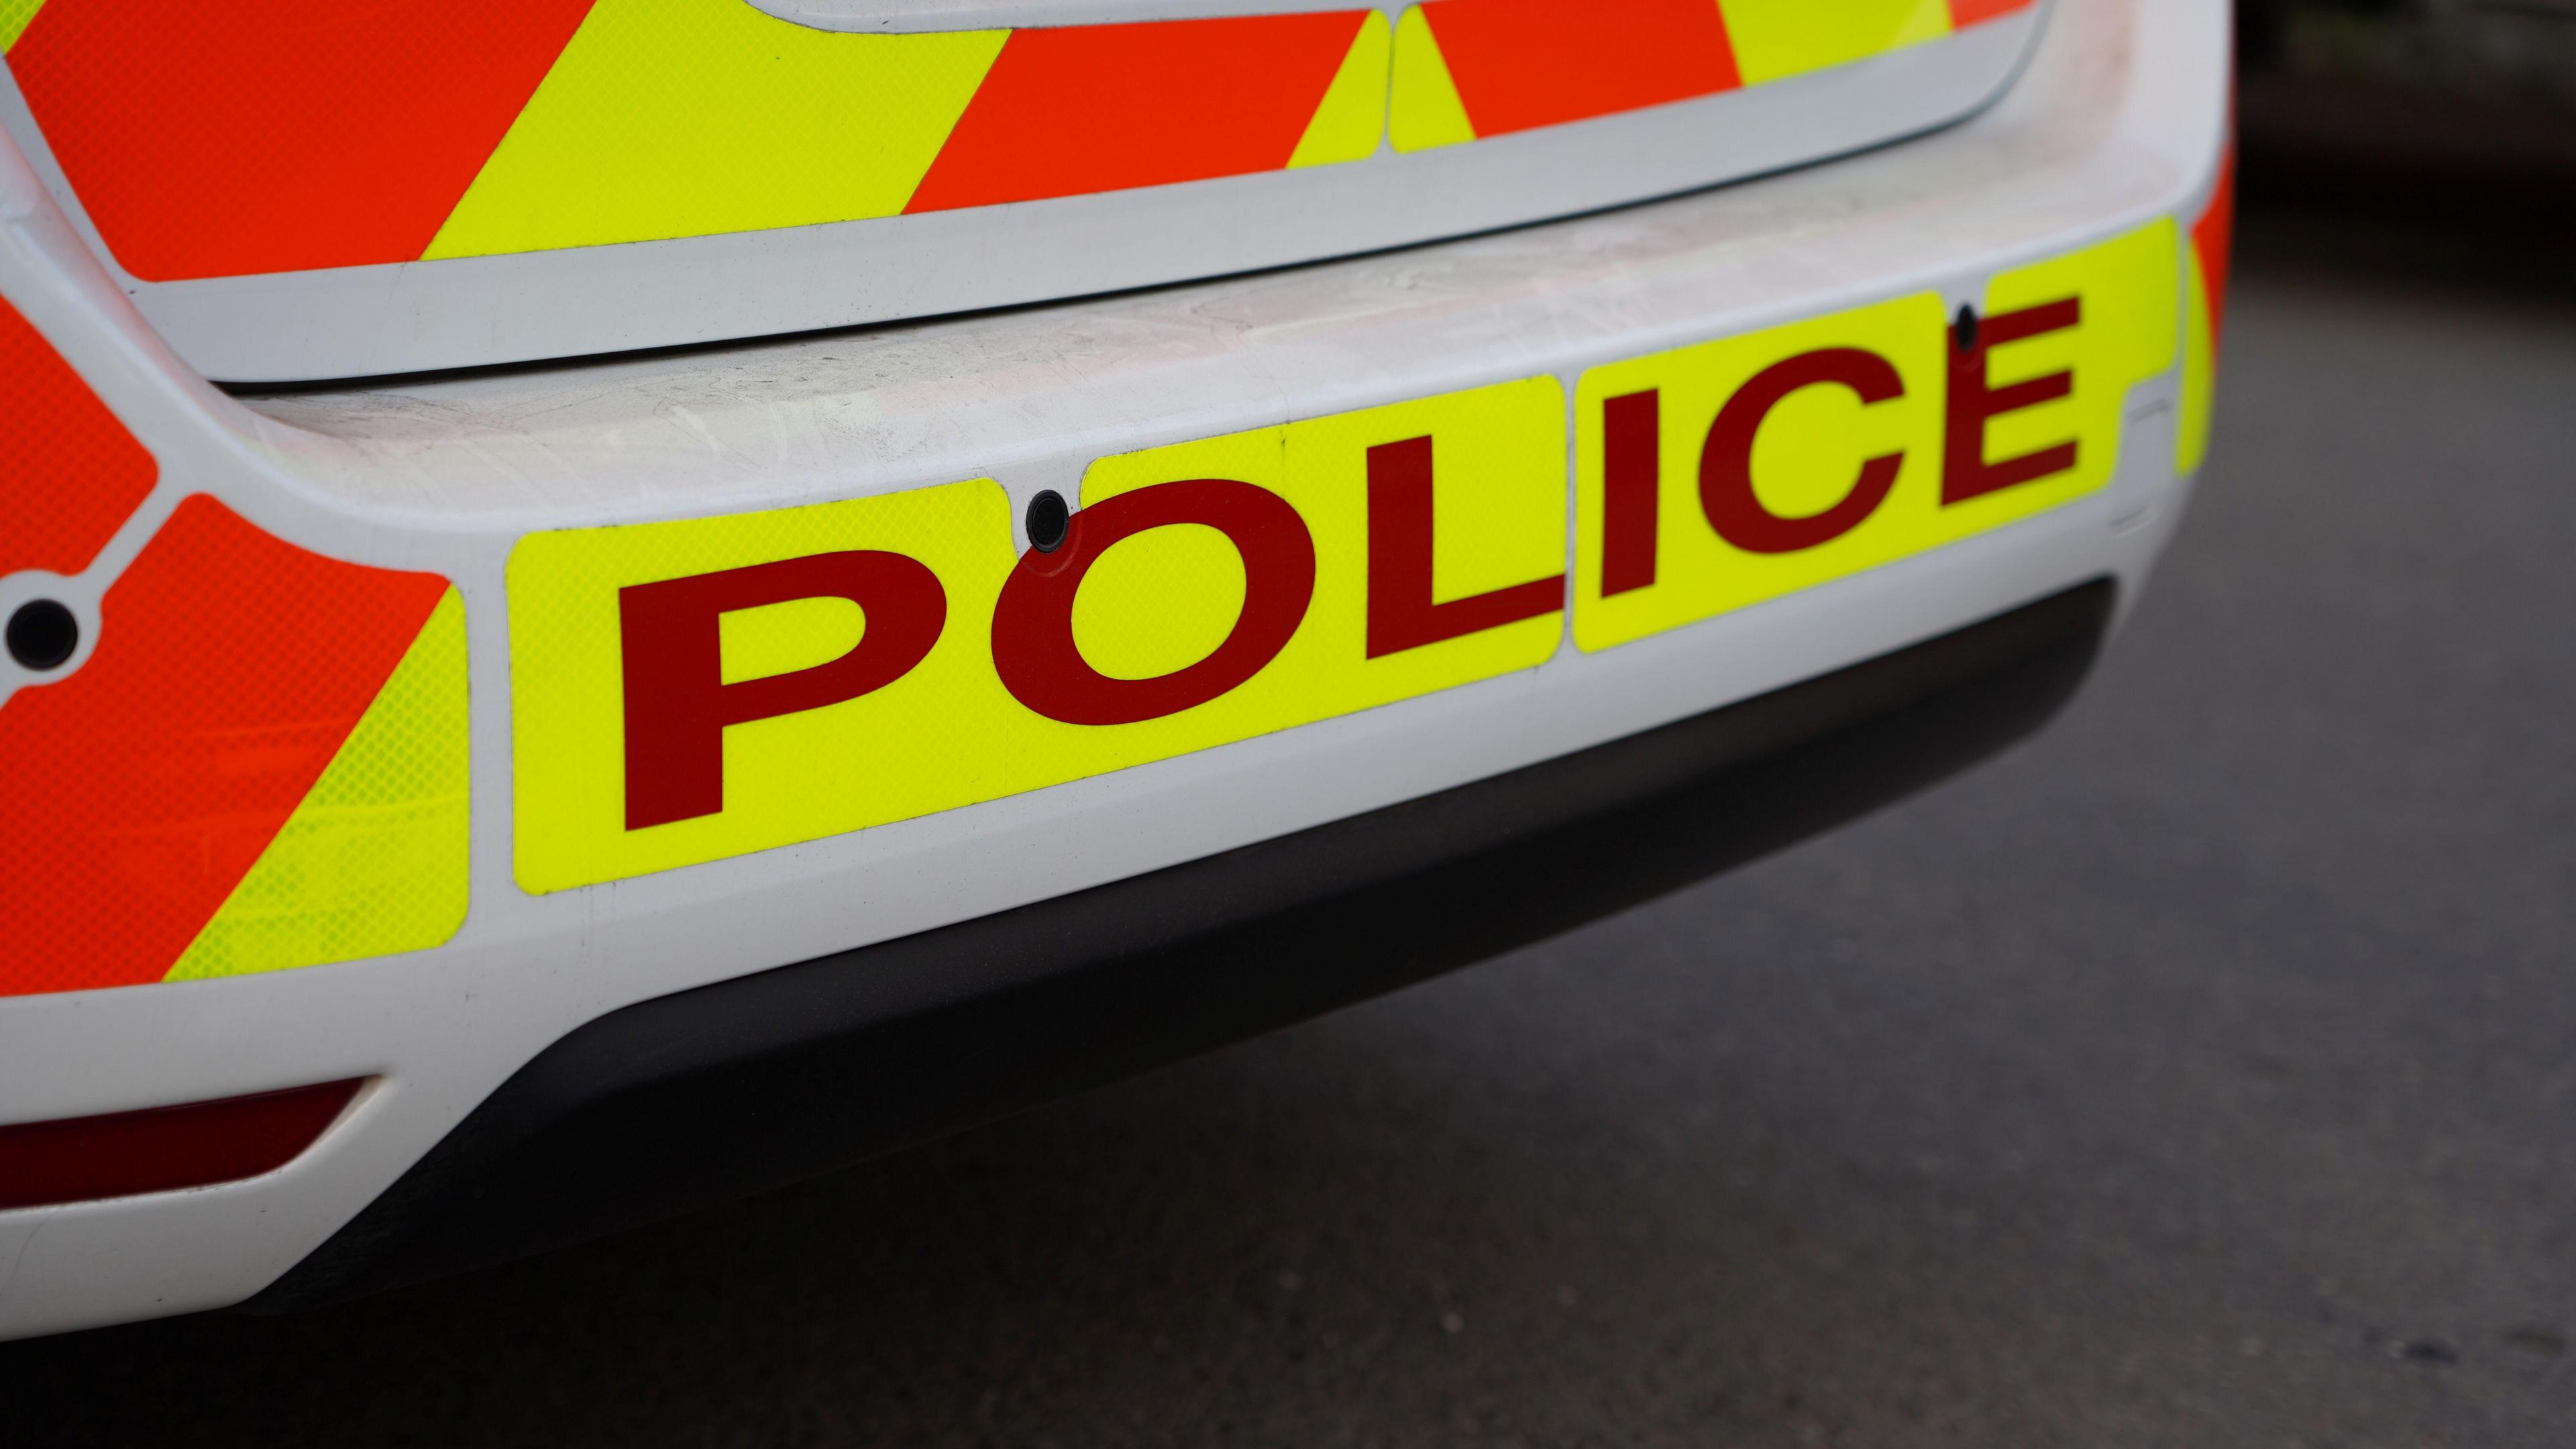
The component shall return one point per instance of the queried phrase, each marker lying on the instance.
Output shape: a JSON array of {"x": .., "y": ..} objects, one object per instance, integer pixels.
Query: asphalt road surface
[{"x": 2202, "y": 1074}]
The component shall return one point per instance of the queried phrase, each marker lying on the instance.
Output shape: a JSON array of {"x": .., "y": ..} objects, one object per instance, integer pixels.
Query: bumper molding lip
[{"x": 682, "y": 1101}]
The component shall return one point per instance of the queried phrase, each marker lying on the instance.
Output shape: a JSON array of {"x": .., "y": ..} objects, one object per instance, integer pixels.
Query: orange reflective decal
[
  {"x": 2213, "y": 243},
  {"x": 1520, "y": 64},
  {"x": 71, "y": 472},
  {"x": 1087, "y": 108},
  {"x": 230, "y": 138},
  {"x": 229, "y": 670},
  {"x": 226, "y": 137},
  {"x": 2205, "y": 318},
  {"x": 1971, "y": 12}
]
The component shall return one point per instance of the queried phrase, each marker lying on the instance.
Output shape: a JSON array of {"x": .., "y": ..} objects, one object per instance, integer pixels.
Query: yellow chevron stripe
[
  {"x": 668, "y": 118},
  {"x": 1351, "y": 120},
  {"x": 374, "y": 860},
  {"x": 1778, "y": 38},
  {"x": 14, "y": 15},
  {"x": 1426, "y": 110},
  {"x": 2199, "y": 369}
]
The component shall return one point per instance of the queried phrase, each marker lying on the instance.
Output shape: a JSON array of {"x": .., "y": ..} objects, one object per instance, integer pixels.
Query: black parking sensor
[
  {"x": 43, "y": 634},
  {"x": 1049, "y": 521},
  {"x": 1963, "y": 329}
]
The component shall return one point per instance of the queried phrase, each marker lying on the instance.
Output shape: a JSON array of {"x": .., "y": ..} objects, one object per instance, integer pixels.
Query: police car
[{"x": 612, "y": 602}]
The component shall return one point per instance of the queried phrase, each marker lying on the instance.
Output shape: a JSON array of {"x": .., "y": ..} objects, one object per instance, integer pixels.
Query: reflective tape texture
[
  {"x": 2213, "y": 240},
  {"x": 695, "y": 689},
  {"x": 71, "y": 472},
  {"x": 1188, "y": 575},
  {"x": 1471, "y": 68},
  {"x": 1975, "y": 431},
  {"x": 238, "y": 137},
  {"x": 261, "y": 762}
]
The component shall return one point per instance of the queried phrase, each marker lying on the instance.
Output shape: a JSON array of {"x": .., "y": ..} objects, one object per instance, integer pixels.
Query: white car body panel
[
  {"x": 399, "y": 317},
  {"x": 2119, "y": 119}
]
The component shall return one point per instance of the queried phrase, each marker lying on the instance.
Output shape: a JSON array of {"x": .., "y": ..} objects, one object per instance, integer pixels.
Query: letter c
[{"x": 1726, "y": 460}]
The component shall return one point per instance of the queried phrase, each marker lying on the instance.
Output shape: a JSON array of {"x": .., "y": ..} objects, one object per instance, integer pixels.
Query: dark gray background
[{"x": 2200, "y": 1074}]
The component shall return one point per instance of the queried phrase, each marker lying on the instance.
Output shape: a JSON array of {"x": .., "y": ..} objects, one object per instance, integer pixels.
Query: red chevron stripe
[
  {"x": 1521, "y": 64},
  {"x": 2214, "y": 238},
  {"x": 212, "y": 138},
  {"x": 1088, "y": 108},
  {"x": 230, "y": 666},
  {"x": 71, "y": 472},
  {"x": 1969, "y": 12}
]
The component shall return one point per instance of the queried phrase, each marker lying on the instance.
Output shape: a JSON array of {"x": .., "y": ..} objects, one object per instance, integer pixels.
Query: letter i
[{"x": 1631, "y": 485}]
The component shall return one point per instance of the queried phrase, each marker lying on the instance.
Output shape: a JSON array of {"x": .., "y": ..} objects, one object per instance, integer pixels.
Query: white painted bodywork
[
  {"x": 2119, "y": 119},
  {"x": 469, "y": 311}
]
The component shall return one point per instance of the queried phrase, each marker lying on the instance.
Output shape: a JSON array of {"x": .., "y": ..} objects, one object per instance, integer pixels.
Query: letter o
[
  {"x": 1726, "y": 460},
  {"x": 1033, "y": 645}
]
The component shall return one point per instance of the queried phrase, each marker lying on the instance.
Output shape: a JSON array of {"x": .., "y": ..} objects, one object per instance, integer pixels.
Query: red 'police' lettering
[
  {"x": 677, "y": 703},
  {"x": 1631, "y": 487},
  {"x": 1974, "y": 402},
  {"x": 1401, "y": 611},
  {"x": 1726, "y": 492},
  {"x": 1033, "y": 645}
]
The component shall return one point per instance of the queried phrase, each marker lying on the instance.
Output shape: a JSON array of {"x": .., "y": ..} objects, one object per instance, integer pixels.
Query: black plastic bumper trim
[{"x": 685, "y": 1100}]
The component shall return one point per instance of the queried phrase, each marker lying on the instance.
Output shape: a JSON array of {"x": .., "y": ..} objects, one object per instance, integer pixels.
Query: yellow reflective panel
[
  {"x": 374, "y": 861},
  {"x": 783, "y": 638},
  {"x": 1124, "y": 621},
  {"x": 1807, "y": 455},
  {"x": 669, "y": 118},
  {"x": 850, "y": 664},
  {"x": 14, "y": 18},
  {"x": 949, "y": 731},
  {"x": 1777, "y": 38},
  {"x": 1424, "y": 108},
  {"x": 1498, "y": 520},
  {"x": 1352, "y": 118},
  {"x": 1791, "y": 477},
  {"x": 2199, "y": 373},
  {"x": 2130, "y": 289},
  {"x": 794, "y": 777}
]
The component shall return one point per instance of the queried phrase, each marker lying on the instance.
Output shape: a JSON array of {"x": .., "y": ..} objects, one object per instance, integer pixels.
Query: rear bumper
[
  {"x": 2117, "y": 129},
  {"x": 692, "y": 1098}
]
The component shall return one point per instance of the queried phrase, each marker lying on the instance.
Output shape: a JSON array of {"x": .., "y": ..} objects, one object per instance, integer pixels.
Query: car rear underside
[{"x": 617, "y": 601}]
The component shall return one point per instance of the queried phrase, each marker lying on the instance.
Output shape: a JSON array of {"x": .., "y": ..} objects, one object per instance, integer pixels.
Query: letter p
[{"x": 677, "y": 703}]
